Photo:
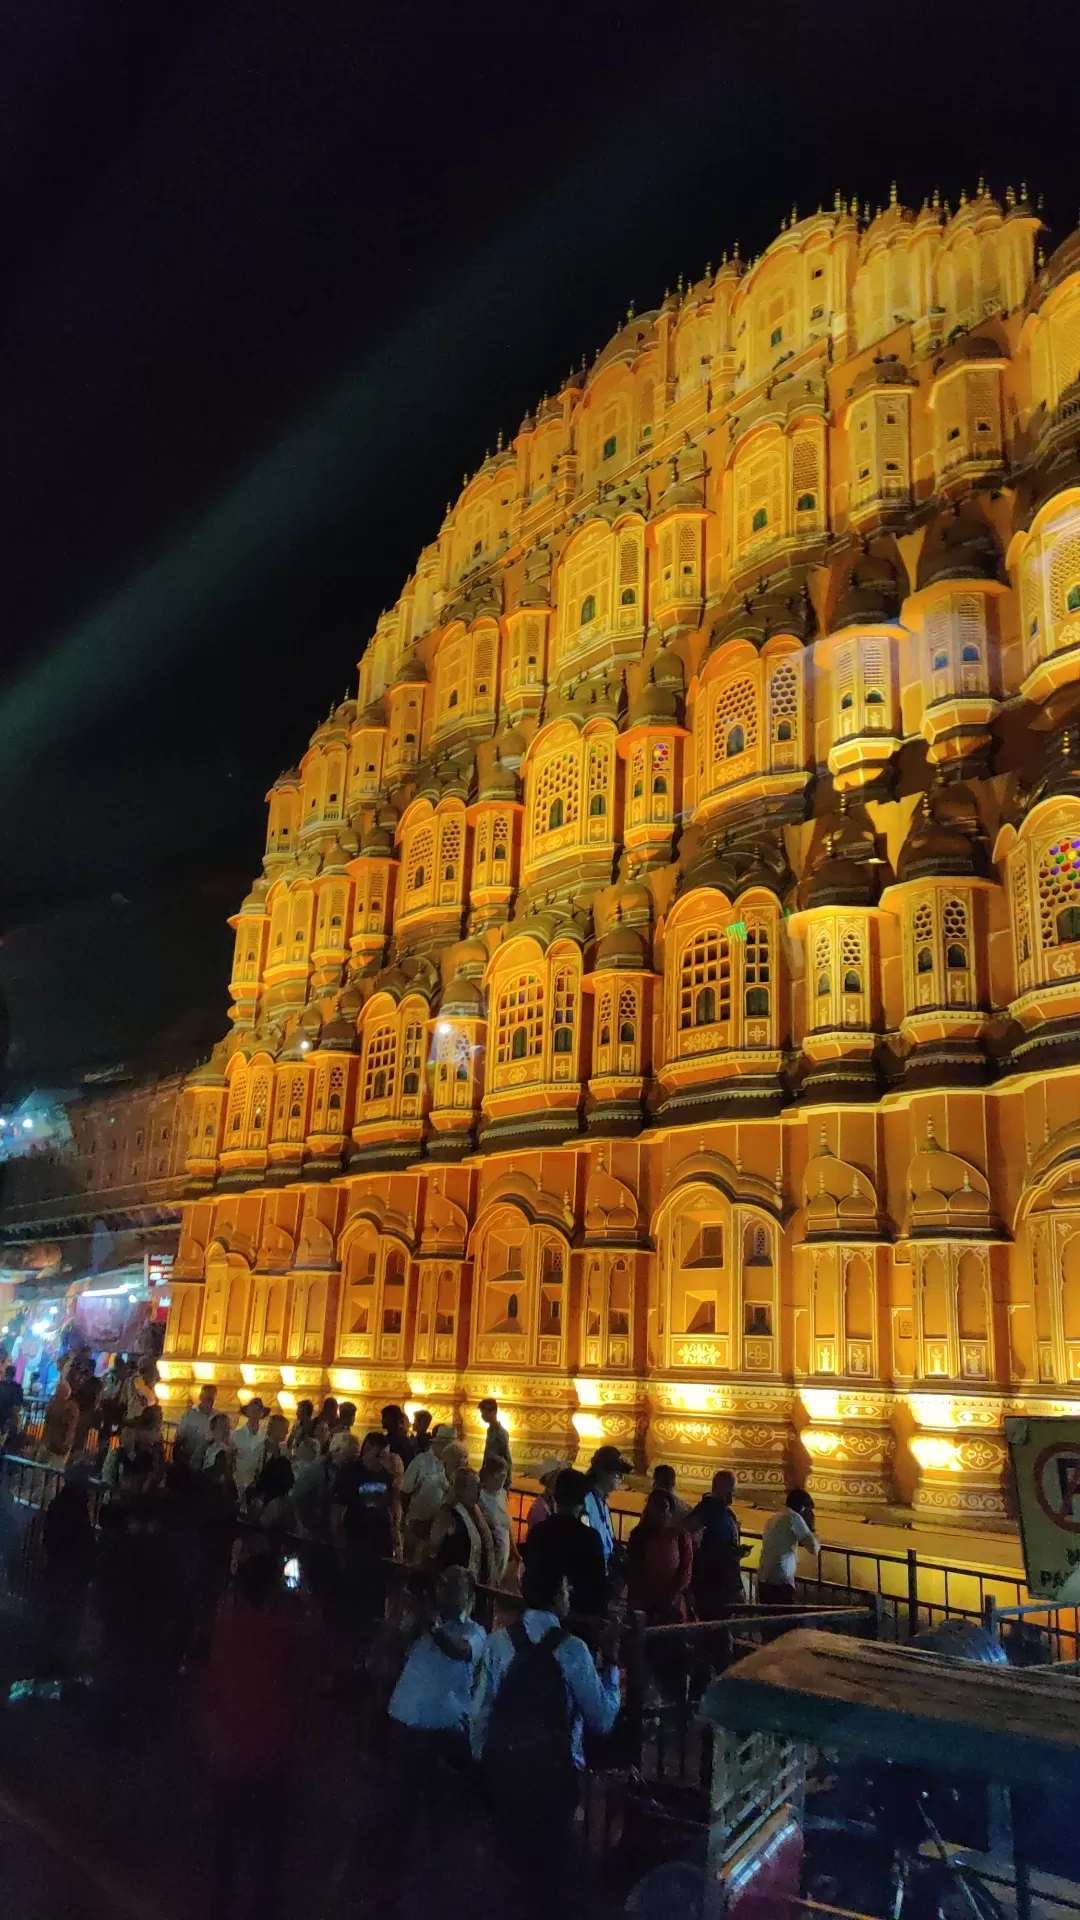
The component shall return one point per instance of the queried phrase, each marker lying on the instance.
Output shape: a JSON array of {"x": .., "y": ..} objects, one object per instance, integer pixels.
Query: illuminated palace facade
[{"x": 660, "y": 1003}]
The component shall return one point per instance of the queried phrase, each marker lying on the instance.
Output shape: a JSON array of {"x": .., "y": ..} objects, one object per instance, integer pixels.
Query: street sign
[{"x": 1046, "y": 1463}]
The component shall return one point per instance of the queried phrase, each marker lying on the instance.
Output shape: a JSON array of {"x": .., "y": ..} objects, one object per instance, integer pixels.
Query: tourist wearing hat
[
  {"x": 249, "y": 1444},
  {"x": 606, "y": 1473},
  {"x": 544, "y": 1505}
]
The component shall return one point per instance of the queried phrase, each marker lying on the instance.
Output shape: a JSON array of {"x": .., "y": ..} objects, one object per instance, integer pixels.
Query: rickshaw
[{"x": 909, "y": 1728}]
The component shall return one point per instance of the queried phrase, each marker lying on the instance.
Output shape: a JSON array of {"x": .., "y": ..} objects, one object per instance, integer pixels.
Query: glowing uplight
[
  {"x": 587, "y": 1426},
  {"x": 27, "y": 1122},
  {"x": 444, "y": 1026},
  {"x": 819, "y": 1442},
  {"x": 933, "y": 1451},
  {"x": 821, "y": 1403},
  {"x": 286, "y": 1401},
  {"x": 305, "y": 1046}
]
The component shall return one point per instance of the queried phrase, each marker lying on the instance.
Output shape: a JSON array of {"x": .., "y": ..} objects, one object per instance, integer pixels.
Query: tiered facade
[{"x": 660, "y": 1004}]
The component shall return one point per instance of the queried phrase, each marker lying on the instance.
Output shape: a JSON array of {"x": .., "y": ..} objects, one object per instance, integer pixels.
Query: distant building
[
  {"x": 94, "y": 1195},
  {"x": 660, "y": 1004}
]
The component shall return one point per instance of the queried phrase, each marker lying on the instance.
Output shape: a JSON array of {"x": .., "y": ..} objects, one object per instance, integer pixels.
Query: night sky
[{"x": 275, "y": 274}]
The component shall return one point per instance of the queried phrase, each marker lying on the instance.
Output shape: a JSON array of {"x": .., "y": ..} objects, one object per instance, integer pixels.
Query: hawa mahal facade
[{"x": 659, "y": 1006}]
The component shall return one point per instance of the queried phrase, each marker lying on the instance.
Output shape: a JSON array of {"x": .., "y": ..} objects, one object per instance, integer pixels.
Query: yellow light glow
[
  {"x": 692, "y": 1399},
  {"x": 166, "y": 1391},
  {"x": 250, "y": 1376},
  {"x": 165, "y": 1370},
  {"x": 419, "y": 1388},
  {"x": 588, "y": 1393},
  {"x": 347, "y": 1380},
  {"x": 933, "y": 1409},
  {"x": 819, "y": 1442},
  {"x": 286, "y": 1401},
  {"x": 205, "y": 1370},
  {"x": 821, "y": 1403},
  {"x": 288, "y": 1376},
  {"x": 587, "y": 1426},
  {"x": 933, "y": 1451}
]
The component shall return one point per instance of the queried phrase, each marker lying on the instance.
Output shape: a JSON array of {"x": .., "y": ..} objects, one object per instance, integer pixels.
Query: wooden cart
[{"x": 864, "y": 1702}]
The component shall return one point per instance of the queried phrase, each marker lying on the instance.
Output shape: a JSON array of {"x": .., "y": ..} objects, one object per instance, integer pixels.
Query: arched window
[
  {"x": 555, "y": 815},
  {"x": 956, "y": 958},
  {"x": 805, "y": 503},
  {"x": 1072, "y": 599},
  {"x": 588, "y": 609},
  {"x": 757, "y": 1001},
  {"x": 852, "y": 982},
  {"x": 783, "y": 731},
  {"x": 410, "y": 1084},
  {"x": 512, "y": 1307},
  {"x": 970, "y": 655},
  {"x": 378, "y": 1085},
  {"x": 760, "y": 519},
  {"x": 597, "y": 805},
  {"x": 659, "y": 785},
  {"x": 564, "y": 1040},
  {"x": 519, "y": 1044},
  {"x": 924, "y": 961},
  {"x": 627, "y": 1034},
  {"x": 736, "y": 742},
  {"x": 453, "y": 700},
  {"x": 418, "y": 877},
  {"x": 448, "y": 873},
  {"x": 628, "y": 597},
  {"x": 874, "y": 697},
  {"x": 705, "y": 1007},
  {"x": 1068, "y": 925},
  {"x": 824, "y": 984}
]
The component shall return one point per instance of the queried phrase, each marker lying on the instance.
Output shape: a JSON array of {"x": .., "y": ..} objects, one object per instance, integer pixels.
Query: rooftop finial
[
  {"x": 630, "y": 311},
  {"x": 794, "y": 214},
  {"x": 499, "y": 441},
  {"x": 838, "y": 204},
  {"x": 981, "y": 188},
  {"x": 892, "y": 193}
]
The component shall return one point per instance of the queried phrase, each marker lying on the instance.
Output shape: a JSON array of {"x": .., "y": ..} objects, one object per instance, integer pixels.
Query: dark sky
[{"x": 275, "y": 273}]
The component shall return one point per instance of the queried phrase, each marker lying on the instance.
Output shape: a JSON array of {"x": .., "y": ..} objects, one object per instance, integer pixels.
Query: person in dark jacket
[
  {"x": 718, "y": 1552},
  {"x": 564, "y": 1545}
]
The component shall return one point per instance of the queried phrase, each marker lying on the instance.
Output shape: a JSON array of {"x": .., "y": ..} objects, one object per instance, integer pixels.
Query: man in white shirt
[
  {"x": 249, "y": 1445},
  {"x": 193, "y": 1432},
  {"x": 785, "y": 1533}
]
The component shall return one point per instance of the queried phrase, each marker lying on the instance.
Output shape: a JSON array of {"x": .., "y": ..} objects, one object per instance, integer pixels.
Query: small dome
[
  {"x": 945, "y": 836},
  {"x": 844, "y": 867},
  {"x": 464, "y": 998},
  {"x": 289, "y": 777},
  {"x": 655, "y": 706},
  {"x": 335, "y": 859},
  {"x": 959, "y": 549},
  {"x": 498, "y": 783},
  {"x": 888, "y": 370},
  {"x": 510, "y": 747},
  {"x": 1063, "y": 262},
  {"x": 339, "y": 1031},
  {"x": 870, "y": 595},
  {"x": 619, "y": 948},
  {"x": 472, "y": 958},
  {"x": 377, "y": 844}
]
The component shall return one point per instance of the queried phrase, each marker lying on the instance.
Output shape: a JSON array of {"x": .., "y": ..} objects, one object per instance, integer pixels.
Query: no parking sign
[{"x": 1046, "y": 1462}]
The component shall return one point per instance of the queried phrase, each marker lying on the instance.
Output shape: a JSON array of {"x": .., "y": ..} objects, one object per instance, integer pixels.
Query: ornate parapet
[
  {"x": 849, "y": 1439},
  {"x": 701, "y": 1426}
]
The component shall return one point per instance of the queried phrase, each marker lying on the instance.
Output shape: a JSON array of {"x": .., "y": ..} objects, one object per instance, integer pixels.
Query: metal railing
[{"x": 915, "y": 1592}]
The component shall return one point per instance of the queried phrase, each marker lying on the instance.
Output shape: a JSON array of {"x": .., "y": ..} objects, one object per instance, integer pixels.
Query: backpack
[{"x": 528, "y": 1756}]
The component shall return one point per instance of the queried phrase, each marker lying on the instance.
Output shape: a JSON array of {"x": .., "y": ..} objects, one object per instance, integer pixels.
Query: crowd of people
[{"x": 243, "y": 1510}]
